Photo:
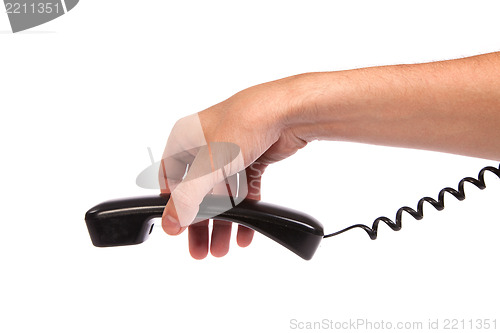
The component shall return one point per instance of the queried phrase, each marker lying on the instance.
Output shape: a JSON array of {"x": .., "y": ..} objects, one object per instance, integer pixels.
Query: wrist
[{"x": 316, "y": 102}]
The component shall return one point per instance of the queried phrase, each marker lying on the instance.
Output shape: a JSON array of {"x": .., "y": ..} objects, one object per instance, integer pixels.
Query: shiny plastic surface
[{"x": 129, "y": 221}]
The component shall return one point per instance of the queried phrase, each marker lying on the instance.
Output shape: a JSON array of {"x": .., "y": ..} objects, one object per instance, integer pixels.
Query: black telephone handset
[{"x": 129, "y": 221}]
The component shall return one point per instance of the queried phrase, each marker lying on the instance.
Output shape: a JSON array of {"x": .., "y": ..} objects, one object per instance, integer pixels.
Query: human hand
[{"x": 253, "y": 120}]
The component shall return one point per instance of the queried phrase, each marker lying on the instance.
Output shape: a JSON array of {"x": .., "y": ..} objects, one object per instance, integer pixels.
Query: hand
[{"x": 254, "y": 121}]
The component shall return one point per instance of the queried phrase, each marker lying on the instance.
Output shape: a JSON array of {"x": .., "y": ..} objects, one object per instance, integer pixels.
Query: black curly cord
[{"x": 419, "y": 214}]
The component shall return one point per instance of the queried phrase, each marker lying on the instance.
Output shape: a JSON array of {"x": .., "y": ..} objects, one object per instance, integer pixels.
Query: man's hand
[{"x": 252, "y": 121}]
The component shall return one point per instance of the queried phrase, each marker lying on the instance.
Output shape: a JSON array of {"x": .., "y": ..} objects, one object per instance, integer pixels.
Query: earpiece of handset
[{"x": 129, "y": 221}]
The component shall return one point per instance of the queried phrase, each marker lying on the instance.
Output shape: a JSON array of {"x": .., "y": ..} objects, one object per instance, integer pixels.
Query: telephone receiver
[{"x": 130, "y": 221}]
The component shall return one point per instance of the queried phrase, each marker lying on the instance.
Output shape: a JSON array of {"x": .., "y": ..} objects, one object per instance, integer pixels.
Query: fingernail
[{"x": 170, "y": 225}]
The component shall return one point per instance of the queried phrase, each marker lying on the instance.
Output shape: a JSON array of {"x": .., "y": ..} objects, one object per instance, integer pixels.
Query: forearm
[{"x": 450, "y": 106}]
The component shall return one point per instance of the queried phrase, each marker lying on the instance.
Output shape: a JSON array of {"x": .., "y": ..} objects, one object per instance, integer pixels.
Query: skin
[{"x": 449, "y": 106}]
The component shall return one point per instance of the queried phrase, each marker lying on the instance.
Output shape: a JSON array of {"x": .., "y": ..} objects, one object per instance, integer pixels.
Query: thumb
[
  {"x": 170, "y": 220},
  {"x": 183, "y": 205}
]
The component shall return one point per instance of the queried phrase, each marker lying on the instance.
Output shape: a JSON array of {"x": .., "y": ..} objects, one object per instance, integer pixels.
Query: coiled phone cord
[{"x": 419, "y": 213}]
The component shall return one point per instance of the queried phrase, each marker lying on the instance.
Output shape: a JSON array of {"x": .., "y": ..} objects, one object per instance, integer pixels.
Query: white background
[{"x": 83, "y": 96}]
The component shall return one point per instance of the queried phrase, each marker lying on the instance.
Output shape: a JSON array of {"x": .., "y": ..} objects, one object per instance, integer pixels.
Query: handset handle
[{"x": 129, "y": 221}]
